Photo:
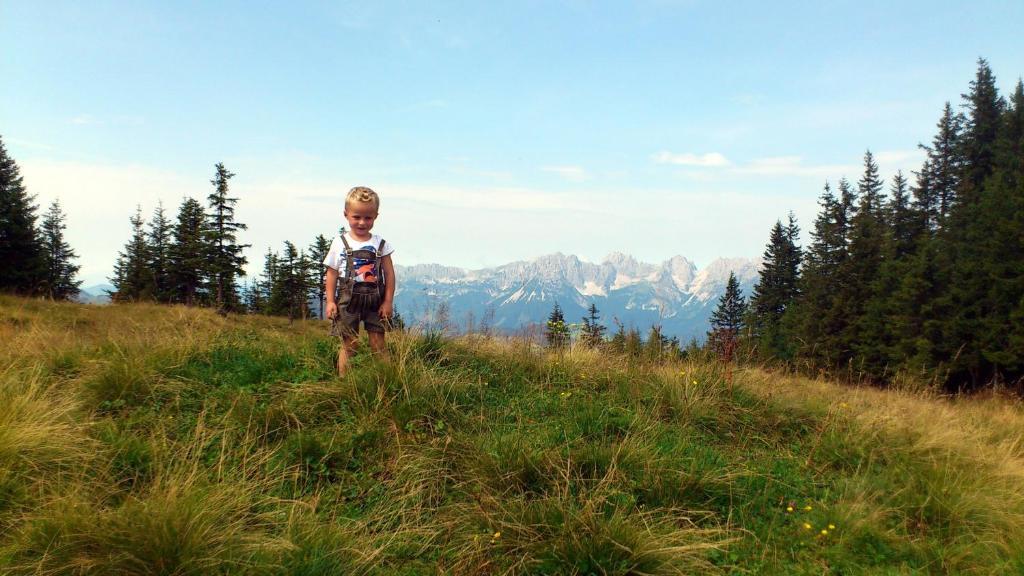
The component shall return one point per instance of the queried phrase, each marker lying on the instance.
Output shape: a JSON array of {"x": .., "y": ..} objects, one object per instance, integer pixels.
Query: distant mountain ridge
[{"x": 673, "y": 294}]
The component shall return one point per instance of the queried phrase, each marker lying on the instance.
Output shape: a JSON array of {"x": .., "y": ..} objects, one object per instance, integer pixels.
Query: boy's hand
[
  {"x": 386, "y": 309},
  {"x": 332, "y": 310}
]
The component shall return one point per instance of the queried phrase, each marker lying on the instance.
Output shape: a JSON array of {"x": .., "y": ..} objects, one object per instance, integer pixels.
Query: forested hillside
[{"x": 925, "y": 282}]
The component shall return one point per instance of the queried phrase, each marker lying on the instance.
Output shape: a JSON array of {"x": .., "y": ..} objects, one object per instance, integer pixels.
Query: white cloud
[
  {"x": 570, "y": 173},
  {"x": 709, "y": 160}
]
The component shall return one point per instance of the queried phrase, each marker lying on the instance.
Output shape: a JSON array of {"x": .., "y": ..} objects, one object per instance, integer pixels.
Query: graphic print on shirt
[{"x": 364, "y": 269}]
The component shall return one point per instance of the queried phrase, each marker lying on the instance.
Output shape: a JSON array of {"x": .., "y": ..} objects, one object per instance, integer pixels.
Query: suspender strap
[
  {"x": 376, "y": 265},
  {"x": 348, "y": 259}
]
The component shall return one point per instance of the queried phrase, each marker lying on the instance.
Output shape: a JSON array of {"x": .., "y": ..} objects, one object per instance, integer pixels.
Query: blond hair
[{"x": 364, "y": 195}]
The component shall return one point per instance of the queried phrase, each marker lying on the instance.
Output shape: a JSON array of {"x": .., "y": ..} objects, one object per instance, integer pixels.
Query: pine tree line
[
  {"x": 590, "y": 332},
  {"x": 195, "y": 259},
  {"x": 927, "y": 279},
  {"x": 35, "y": 259}
]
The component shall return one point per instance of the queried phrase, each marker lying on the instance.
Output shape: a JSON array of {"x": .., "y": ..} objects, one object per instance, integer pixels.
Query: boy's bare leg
[
  {"x": 377, "y": 343},
  {"x": 347, "y": 349}
]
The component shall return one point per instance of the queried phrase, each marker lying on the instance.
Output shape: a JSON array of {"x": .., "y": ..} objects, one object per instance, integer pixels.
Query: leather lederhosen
[{"x": 364, "y": 296}]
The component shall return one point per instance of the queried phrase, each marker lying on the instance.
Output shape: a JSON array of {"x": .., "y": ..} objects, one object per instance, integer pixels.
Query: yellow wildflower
[
  {"x": 831, "y": 526},
  {"x": 807, "y": 526},
  {"x": 497, "y": 535},
  {"x": 789, "y": 508},
  {"x": 808, "y": 508},
  {"x": 824, "y": 532}
]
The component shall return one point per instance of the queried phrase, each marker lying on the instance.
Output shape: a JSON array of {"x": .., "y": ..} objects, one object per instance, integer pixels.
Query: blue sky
[{"x": 493, "y": 131}]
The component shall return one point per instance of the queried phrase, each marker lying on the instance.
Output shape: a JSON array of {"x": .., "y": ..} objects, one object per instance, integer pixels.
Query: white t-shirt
[{"x": 363, "y": 268}]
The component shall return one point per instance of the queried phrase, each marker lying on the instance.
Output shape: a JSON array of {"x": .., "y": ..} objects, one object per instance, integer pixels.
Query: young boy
[{"x": 362, "y": 262}]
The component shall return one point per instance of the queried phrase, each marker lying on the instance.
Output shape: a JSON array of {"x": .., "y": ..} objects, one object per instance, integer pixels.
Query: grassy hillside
[{"x": 165, "y": 440}]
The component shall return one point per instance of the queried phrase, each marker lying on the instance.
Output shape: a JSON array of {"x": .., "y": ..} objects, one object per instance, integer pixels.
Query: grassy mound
[{"x": 166, "y": 440}]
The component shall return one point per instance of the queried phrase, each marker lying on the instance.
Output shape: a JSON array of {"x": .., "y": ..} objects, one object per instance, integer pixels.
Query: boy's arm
[
  {"x": 387, "y": 307},
  {"x": 332, "y": 281}
]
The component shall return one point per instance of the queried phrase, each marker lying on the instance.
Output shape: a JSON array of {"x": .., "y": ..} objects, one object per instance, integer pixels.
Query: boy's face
[{"x": 360, "y": 216}]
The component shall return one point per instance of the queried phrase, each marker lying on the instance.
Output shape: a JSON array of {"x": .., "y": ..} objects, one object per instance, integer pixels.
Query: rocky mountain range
[{"x": 673, "y": 294}]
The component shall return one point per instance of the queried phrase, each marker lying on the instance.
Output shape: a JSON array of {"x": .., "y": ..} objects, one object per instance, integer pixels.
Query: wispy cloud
[
  {"x": 709, "y": 160},
  {"x": 570, "y": 173}
]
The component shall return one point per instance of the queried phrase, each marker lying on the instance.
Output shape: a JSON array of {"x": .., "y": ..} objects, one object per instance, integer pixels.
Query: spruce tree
[
  {"x": 903, "y": 221},
  {"x": 593, "y": 331},
  {"x": 1000, "y": 250},
  {"x": 293, "y": 284},
  {"x": 133, "y": 280},
  {"x": 984, "y": 116},
  {"x": 968, "y": 245},
  {"x": 556, "y": 332},
  {"x": 226, "y": 262},
  {"x": 272, "y": 295},
  {"x": 867, "y": 241},
  {"x": 944, "y": 167},
  {"x": 160, "y": 242},
  {"x": 817, "y": 317},
  {"x": 59, "y": 282},
  {"x": 21, "y": 257},
  {"x": 317, "y": 252},
  {"x": 776, "y": 290},
  {"x": 188, "y": 273},
  {"x": 727, "y": 319},
  {"x": 925, "y": 204}
]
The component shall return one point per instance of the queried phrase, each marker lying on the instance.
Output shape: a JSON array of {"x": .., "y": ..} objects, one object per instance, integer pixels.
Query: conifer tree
[
  {"x": 188, "y": 254},
  {"x": 159, "y": 240},
  {"x": 593, "y": 331},
  {"x": 924, "y": 204},
  {"x": 132, "y": 278},
  {"x": 943, "y": 168},
  {"x": 967, "y": 247},
  {"x": 270, "y": 288},
  {"x": 293, "y": 282},
  {"x": 998, "y": 247},
  {"x": 59, "y": 282},
  {"x": 866, "y": 249},
  {"x": 556, "y": 332},
  {"x": 21, "y": 259},
  {"x": 727, "y": 319},
  {"x": 817, "y": 316},
  {"x": 903, "y": 221},
  {"x": 776, "y": 290},
  {"x": 226, "y": 262},
  {"x": 984, "y": 116},
  {"x": 252, "y": 296},
  {"x": 317, "y": 252}
]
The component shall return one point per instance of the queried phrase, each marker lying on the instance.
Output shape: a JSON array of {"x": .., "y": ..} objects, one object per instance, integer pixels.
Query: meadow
[{"x": 145, "y": 439}]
